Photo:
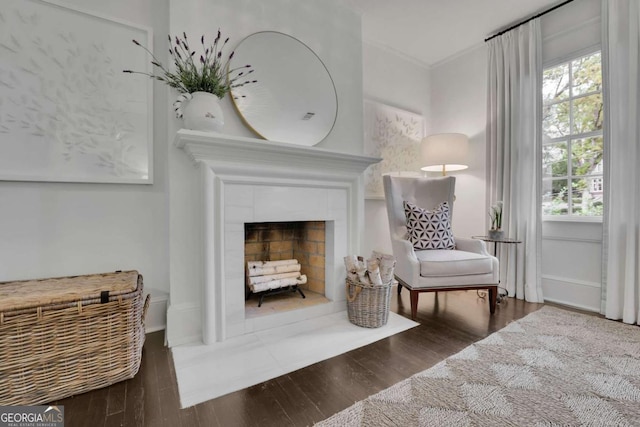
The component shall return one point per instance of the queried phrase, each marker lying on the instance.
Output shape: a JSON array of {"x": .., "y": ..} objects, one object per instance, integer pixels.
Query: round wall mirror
[{"x": 294, "y": 99}]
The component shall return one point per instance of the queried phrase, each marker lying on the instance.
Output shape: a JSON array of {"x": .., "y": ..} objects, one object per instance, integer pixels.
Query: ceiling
[{"x": 430, "y": 31}]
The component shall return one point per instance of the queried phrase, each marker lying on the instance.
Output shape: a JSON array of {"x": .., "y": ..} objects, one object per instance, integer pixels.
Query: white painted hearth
[{"x": 250, "y": 180}]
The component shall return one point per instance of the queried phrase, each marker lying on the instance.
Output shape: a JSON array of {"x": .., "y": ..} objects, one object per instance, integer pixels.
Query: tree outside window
[{"x": 572, "y": 152}]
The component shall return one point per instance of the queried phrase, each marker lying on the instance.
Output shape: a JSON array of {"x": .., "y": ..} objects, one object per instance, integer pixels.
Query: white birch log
[
  {"x": 263, "y": 271},
  {"x": 387, "y": 265},
  {"x": 350, "y": 263},
  {"x": 374, "y": 277},
  {"x": 262, "y": 264},
  {"x": 276, "y": 284},
  {"x": 373, "y": 271},
  {"x": 262, "y": 279},
  {"x": 353, "y": 276},
  {"x": 362, "y": 276}
]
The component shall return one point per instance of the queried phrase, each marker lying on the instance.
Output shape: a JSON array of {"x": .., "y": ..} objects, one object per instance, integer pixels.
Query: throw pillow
[{"x": 429, "y": 229}]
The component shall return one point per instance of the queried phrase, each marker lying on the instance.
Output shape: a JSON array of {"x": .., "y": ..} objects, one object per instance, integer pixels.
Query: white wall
[
  {"x": 458, "y": 104},
  {"x": 54, "y": 229},
  {"x": 332, "y": 31},
  {"x": 394, "y": 80}
]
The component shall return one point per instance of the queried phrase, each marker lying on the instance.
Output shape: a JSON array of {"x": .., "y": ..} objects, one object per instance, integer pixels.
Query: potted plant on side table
[{"x": 496, "y": 232}]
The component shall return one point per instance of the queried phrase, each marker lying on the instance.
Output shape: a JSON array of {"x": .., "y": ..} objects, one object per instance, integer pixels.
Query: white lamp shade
[{"x": 445, "y": 151}]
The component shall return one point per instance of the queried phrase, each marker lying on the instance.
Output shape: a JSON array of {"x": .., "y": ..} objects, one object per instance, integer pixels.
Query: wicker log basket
[
  {"x": 64, "y": 336},
  {"x": 369, "y": 289},
  {"x": 368, "y": 305}
]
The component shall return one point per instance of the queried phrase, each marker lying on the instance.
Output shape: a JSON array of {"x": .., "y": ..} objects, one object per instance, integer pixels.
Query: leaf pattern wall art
[
  {"x": 67, "y": 112},
  {"x": 393, "y": 135}
]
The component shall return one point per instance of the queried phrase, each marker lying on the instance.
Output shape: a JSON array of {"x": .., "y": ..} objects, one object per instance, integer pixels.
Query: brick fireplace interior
[{"x": 275, "y": 241}]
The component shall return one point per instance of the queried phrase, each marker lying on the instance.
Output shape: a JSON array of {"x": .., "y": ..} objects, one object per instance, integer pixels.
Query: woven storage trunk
[
  {"x": 64, "y": 336},
  {"x": 368, "y": 305}
]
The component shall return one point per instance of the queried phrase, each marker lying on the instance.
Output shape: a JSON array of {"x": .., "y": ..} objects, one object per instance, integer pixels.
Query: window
[{"x": 572, "y": 154}]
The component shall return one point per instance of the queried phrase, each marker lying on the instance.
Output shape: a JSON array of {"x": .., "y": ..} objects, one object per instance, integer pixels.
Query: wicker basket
[
  {"x": 368, "y": 305},
  {"x": 65, "y": 336}
]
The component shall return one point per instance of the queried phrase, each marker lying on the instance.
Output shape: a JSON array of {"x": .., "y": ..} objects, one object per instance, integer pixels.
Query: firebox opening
[{"x": 303, "y": 241}]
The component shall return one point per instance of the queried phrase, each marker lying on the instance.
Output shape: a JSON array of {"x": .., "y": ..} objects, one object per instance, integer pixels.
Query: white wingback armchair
[{"x": 468, "y": 266}]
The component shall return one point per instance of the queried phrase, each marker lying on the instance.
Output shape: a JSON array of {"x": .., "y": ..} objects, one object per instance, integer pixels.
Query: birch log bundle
[
  {"x": 375, "y": 271},
  {"x": 266, "y": 275}
]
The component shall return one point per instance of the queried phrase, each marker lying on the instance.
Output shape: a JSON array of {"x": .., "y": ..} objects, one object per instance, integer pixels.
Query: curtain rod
[{"x": 527, "y": 20}]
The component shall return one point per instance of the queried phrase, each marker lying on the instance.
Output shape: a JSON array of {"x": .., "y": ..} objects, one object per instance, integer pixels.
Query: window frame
[{"x": 567, "y": 59}]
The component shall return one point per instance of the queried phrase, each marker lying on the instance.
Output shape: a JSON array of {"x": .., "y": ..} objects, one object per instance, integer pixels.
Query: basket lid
[{"x": 42, "y": 292}]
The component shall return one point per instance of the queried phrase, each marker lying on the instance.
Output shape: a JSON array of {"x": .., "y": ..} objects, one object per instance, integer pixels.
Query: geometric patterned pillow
[{"x": 429, "y": 229}]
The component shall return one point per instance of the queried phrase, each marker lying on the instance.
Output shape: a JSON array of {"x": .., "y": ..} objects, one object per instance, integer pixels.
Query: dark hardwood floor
[{"x": 449, "y": 321}]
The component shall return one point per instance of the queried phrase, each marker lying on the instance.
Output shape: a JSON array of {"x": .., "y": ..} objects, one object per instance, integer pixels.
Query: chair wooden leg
[
  {"x": 493, "y": 296},
  {"x": 414, "y": 303}
]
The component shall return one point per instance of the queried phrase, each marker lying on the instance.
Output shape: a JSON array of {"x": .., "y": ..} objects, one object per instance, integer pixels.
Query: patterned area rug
[{"x": 550, "y": 368}]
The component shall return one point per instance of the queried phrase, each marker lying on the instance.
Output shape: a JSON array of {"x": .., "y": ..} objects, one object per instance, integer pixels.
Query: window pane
[
  {"x": 587, "y": 74},
  {"x": 554, "y": 159},
  {"x": 586, "y": 156},
  {"x": 572, "y": 150},
  {"x": 587, "y": 114},
  {"x": 555, "y": 120},
  {"x": 555, "y": 197},
  {"x": 555, "y": 83},
  {"x": 585, "y": 202}
]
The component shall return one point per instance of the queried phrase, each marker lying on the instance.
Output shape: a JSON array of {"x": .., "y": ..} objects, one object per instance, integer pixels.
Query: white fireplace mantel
[
  {"x": 227, "y": 152},
  {"x": 247, "y": 180}
]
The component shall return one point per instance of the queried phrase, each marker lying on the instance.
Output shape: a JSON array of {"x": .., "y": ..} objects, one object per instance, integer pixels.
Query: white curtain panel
[
  {"x": 621, "y": 254},
  {"x": 514, "y": 155}
]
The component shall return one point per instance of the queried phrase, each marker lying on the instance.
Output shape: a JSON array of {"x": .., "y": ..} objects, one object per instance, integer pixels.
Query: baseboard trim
[
  {"x": 579, "y": 294},
  {"x": 571, "y": 281},
  {"x": 572, "y": 305}
]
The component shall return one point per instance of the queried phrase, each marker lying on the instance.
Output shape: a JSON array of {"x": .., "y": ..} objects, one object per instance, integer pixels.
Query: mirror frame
[{"x": 333, "y": 85}]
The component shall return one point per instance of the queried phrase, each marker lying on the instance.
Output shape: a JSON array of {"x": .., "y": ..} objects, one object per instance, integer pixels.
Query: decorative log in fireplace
[{"x": 274, "y": 277}]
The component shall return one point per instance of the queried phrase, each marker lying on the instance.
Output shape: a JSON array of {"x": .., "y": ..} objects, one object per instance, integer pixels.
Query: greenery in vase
[
  {"x": 209, "y": 73},
  {"x": 496, "y": 216}
]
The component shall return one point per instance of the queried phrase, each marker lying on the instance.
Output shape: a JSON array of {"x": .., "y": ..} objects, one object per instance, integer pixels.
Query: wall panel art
[
  {"x": 67, "y": 111},
  {"x": 394, "y": 135}
]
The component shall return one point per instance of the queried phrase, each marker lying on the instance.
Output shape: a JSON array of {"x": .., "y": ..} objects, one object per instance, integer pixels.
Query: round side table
[{"x": 496, "y": 242}]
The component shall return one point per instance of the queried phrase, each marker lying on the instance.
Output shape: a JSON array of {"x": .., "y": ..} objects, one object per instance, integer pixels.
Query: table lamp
[{"x": 445, "y": 152}]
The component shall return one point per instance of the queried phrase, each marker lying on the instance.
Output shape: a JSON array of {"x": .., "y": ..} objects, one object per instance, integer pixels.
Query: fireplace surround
[{"x": 246, "y": 180}]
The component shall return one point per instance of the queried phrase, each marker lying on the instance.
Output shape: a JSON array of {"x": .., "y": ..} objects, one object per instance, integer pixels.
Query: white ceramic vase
[{"x": 201, "y": 111}]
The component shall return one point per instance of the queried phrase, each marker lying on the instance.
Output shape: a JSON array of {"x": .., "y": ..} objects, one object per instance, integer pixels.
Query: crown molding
[
  {"x": 457, "y": 55},
  {"x": 397, "y": 53}
]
